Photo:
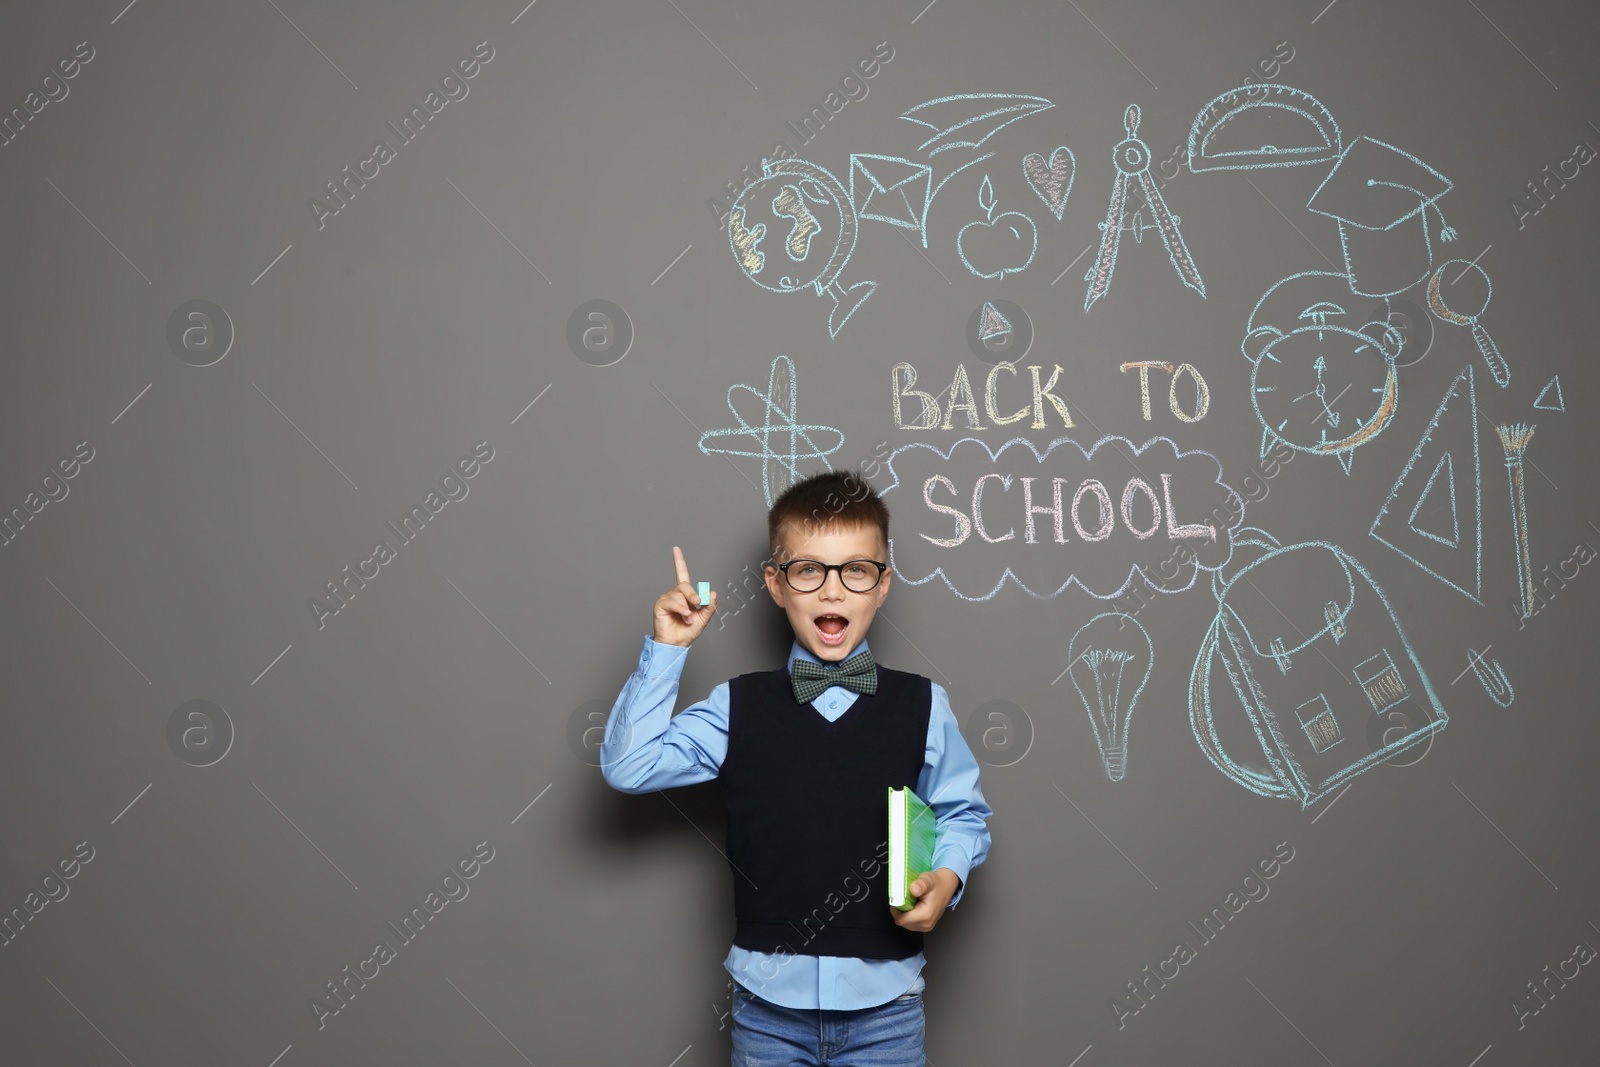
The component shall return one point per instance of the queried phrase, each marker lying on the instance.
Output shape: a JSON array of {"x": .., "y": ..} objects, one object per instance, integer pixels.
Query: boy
[{"x": 824, "y": 969}]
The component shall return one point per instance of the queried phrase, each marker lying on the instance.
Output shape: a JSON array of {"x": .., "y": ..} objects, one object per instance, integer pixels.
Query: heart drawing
[{"x": 1053, "y": 180}]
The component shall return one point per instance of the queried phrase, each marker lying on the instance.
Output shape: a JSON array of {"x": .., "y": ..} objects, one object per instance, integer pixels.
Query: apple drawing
[
  {"x": 1001, "y": 244},
  {"x": 1010, "y": 238}
]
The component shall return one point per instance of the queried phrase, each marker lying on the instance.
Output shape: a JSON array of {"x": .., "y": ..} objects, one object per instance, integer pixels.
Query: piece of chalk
[{"x": 705, "y": 593}]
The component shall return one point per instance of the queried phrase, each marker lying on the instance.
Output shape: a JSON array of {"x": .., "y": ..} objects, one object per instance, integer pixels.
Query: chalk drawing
[
  {"x": 1110, "y": 664},
  {"x": 814, "y": 212},
  {"x": 1433, "y": 536},
  {"x": 1514, "y": 439},
  {"x": 899, "y": 191},
  {"x": 1493, "y": 679},
  {"x": 1132, "y": 158},
  {"x": 999, "y": 252},
  {"x": 991, "y": 323},
  {"x": 1253, "y": 109},
  {"x": 890, "y": 189},
  {"x": 1436, "y": 303},
  {"x": 780, "y": 406},
  {"x": 968, "y": 120},
  {"x": 1372, "y": 192},
  {"x": 1545, "y": 402},
  {"x": 790, "y": 204},
  {"x": 1326, "y": 386},
  {"x": 1003, "y": 531},
  {"x": 1276, "y": 660},
  {"x": 1051, "y": 180},
  {"x": 1313, "y": 296}
]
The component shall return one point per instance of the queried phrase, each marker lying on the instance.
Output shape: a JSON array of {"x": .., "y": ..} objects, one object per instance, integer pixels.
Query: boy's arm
[
  {"x": 949, "y": 782},
  {"x": 645, "y": 747}
]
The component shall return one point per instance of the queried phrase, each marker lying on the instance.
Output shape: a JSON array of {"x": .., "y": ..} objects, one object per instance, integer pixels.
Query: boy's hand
[
  {"x": 933, "y": 891},
  {"x": 679, "y": 615}
]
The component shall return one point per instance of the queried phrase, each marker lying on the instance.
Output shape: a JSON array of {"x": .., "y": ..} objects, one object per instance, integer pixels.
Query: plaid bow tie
[{"x": 811, "y": 680}]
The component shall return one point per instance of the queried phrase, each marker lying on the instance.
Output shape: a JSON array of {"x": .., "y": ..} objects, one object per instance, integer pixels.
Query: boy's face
[{"x": 830, "y": 622}]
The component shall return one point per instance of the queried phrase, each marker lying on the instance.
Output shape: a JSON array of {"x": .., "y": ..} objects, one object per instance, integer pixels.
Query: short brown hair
[{"x": 828, "y": 496}]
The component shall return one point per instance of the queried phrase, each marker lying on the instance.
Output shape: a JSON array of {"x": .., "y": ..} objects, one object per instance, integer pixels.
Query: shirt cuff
[
  {"x": 953, "y": 858},
  {"x": 658, "y": 658}
]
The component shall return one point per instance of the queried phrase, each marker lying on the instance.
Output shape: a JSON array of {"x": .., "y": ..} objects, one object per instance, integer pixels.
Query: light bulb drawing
[{"x": 1111, "y": 657}]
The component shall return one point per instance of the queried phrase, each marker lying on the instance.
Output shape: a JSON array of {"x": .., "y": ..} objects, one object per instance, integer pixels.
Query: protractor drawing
[{"x": 1266, "y": 125}]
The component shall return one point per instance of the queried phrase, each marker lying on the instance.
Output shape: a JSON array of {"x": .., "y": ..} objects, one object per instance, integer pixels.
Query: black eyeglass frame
[{"x": 826, "y": 567}]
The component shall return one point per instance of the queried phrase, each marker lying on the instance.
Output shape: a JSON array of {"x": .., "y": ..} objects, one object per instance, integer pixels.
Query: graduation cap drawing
[{"x": 1379, "y": 195}]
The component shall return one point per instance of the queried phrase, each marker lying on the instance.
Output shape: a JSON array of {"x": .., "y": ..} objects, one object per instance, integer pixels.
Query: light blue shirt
[{"x": 667, "y": 751}]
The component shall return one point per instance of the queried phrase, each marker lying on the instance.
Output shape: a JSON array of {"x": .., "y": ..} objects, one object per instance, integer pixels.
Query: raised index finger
[{"x": 677, "y": 560}]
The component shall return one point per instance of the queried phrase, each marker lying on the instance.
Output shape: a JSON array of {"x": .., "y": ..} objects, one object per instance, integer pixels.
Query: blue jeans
[{"x": 770, "y": 1035}]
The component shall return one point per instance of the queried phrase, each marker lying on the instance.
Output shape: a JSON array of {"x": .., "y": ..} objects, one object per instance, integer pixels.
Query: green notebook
[{"x": 911, "y": 841}]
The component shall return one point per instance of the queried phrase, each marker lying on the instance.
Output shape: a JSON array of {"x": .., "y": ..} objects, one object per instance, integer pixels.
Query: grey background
[{"x": 373, "y": 753}]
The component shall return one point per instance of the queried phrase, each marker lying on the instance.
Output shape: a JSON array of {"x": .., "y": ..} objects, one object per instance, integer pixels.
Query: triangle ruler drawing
[
  {"x": 1434, "y": 514},
  {"x": 1431, "y": 511}
]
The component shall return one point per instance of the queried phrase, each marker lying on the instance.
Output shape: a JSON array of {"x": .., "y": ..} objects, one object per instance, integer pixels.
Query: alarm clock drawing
[
  {"x": 794, "y": 228},
  {"x": 1322, "y": 385}
]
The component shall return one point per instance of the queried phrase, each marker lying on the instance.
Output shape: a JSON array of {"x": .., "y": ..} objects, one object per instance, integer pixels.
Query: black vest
[{"x": 808, "y": 814}]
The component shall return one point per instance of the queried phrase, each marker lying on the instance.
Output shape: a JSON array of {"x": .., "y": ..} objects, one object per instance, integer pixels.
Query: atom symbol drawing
[{"x": 779, "y": 403}]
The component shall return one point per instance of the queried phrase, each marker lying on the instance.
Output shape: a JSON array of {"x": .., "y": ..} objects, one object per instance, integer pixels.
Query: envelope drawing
[{"x": 891, "y": 189}]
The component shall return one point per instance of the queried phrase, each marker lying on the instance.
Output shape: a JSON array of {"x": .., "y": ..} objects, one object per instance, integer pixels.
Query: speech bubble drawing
[{"x": 1098, "y": 517}]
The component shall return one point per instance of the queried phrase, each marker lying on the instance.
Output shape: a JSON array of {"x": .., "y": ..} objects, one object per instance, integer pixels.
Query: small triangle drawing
[
  {"x": 1558, "y": 404},
  {"x": 1447, "y": 467},
  {"x": 991, "y": 323},
  {"x": 1434, "y": 535}
]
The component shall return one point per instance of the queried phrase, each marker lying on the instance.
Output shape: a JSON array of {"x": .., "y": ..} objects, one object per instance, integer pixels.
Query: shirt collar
[{"x": 799, "y": 651}]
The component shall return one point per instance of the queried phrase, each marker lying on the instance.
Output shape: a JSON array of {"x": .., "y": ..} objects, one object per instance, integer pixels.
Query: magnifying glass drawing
[{"x": 1491, "y": 353}]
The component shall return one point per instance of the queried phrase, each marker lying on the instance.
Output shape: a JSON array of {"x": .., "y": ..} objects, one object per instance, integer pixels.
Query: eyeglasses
[{"x": 809, "y": 575}]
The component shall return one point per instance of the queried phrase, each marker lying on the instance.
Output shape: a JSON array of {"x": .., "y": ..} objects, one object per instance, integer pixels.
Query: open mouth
[{"x": 831, "y": 629}]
